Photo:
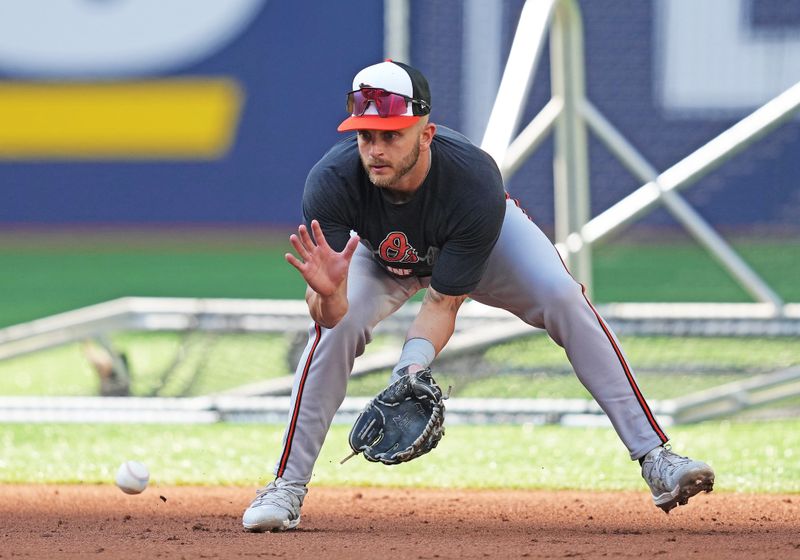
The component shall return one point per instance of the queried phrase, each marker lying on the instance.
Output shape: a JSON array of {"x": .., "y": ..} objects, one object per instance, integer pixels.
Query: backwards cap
[{"x": 395, "y": 77}]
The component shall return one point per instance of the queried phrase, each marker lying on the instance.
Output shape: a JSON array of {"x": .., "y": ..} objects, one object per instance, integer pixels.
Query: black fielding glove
[{"x": 401, "y": 423}]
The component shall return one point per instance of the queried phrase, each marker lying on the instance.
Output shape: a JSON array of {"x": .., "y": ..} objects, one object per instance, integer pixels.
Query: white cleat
[
  {"x": 276, "y": 507},
  {"x": 673, "y": 479}
]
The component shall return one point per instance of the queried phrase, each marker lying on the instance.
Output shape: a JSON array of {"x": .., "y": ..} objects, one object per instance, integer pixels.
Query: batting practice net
[{"x": 211, "y": 360}]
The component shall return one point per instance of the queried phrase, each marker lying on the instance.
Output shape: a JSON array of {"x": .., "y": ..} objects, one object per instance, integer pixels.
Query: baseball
[{"x": 132, "y": 477}]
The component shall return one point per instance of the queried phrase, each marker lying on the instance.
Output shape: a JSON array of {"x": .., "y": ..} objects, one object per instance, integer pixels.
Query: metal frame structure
[
  {"x": 478, "y": 328},
  {"x": 569, "y": 113}
]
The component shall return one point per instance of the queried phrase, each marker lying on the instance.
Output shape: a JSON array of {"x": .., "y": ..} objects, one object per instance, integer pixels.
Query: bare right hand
[{"x": 323, "y": 269}]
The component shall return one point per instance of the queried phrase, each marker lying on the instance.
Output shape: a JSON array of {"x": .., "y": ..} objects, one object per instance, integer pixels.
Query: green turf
[
  {"x": 50, "y": 276},
  {"x": 44, "y": 278},
  {"x": 52, "y": 282},
  {"x": 683, "y": 271},
  {"x": 751, "y": 457}
]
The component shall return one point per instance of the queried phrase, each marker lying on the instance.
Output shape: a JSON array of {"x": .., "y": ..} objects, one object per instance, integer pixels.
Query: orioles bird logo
[{"x": 396, "y": 248}]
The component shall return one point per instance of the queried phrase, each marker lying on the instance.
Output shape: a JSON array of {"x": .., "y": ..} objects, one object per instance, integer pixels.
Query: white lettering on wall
[
  {"x": 709, "y": 58},
  {"x": 112, "y": 38}
]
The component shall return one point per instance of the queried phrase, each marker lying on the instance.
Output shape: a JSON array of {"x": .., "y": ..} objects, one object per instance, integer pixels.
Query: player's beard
[{"x": 403, "y": 167}]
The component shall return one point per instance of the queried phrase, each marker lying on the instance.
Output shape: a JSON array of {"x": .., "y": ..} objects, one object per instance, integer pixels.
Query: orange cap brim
[{"x": 376, "y": 122}]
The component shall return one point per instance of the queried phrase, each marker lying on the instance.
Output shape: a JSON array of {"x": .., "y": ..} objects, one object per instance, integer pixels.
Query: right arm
[
  {"x": 325, "y": 272},
  {"x": 436, "y": 319},
  {"x": 429, "y": 333}
]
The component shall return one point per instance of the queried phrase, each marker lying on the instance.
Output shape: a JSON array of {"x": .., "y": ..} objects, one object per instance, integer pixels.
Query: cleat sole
[
  {"x": 682, "y": 493},
  {"x": 262, "y": 528}
]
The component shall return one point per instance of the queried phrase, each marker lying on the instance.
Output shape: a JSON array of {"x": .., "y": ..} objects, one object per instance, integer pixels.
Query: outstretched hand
[{"x": 323, "y": 269}]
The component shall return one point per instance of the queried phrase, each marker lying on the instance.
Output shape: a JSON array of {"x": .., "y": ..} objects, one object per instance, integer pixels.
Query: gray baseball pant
[{"x": 525, "y": 275}]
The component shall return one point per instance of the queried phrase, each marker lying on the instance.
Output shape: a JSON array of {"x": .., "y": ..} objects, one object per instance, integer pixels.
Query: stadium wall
[{"x": 653, "y": 68}]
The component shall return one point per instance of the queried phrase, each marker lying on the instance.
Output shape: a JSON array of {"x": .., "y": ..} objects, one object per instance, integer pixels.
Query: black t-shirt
[{"x": 446, "y": 230}]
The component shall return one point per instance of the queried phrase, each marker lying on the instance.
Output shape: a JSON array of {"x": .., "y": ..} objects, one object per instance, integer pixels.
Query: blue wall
[
  {"x": 294, "y": 66},
  {"x": 295, "y": 61}
]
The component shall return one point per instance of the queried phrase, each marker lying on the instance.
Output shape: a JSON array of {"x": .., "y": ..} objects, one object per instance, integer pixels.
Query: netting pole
[
  {"x": 512, "y": 95},
  {"x": 571, "y": 159},
  {"x": 396, "y": 30}
]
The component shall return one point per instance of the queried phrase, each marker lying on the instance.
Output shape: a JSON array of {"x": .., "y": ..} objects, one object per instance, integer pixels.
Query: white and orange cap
[{"x": 394, "y": 77}]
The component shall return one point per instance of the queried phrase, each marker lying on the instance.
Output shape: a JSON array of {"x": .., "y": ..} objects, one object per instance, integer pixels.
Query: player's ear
[{"x": 427, "y": 133}]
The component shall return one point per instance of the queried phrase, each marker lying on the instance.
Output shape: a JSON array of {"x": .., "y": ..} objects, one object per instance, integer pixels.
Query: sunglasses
[{"x": 387, "y": 103}]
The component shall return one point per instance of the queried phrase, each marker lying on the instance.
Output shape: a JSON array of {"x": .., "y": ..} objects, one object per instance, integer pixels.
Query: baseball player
[{"x": 404, "y": 205}]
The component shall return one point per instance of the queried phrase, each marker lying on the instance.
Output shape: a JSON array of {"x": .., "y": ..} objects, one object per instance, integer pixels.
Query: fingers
[
  {"x": 292, "y": 260},
  {"x": 299, "y": 246},
  {"x": 307, "y": 247},
  {"x": 305, "y": 238},
  {"x": 318, "y": 235},
  {"x": 350, "y": 248},
  {"x": 302, "y": 241}
]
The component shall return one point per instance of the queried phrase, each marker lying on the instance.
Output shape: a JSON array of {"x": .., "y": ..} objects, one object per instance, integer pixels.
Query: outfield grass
[
  {"x": 44, "y": 283},
  {"x": 760, "y": 457},
  {"x": 51, "y": 275},
  {"x": 44, "y": 278},
  {"x": 682, "y": 271}
]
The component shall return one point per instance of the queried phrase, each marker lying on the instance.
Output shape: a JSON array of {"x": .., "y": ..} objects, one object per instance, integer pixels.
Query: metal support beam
[
  {"x": 396, "y": 30},
  {"x": 571, "y": 161},
  {"x": 569, "y": 112},
  {"x": 694, "y": 166},
  {"x": 680, "y": 209},
  {"x": 531, "y": 136},
  {"x": 509, "y": 104},
  {"x": 481, "y": 64}
]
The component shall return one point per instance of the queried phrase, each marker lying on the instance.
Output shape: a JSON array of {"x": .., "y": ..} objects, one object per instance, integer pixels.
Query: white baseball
[{"x": 132, "y": 477}]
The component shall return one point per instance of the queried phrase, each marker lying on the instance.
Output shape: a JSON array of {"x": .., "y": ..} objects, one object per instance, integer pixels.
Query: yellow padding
[{"x": 192, "y": 118}]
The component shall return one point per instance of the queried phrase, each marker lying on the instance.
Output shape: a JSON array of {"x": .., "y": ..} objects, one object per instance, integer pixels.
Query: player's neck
[{"x": 410, "y": 183}]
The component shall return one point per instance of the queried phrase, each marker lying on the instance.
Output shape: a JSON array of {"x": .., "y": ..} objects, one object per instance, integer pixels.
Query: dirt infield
[{"x": 99, "y": 522}]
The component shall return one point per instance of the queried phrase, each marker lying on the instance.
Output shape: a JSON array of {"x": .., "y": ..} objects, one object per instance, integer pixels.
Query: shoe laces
[
  {"x": 666, "y": 462},
  {"x": 279, "y": 493}
]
